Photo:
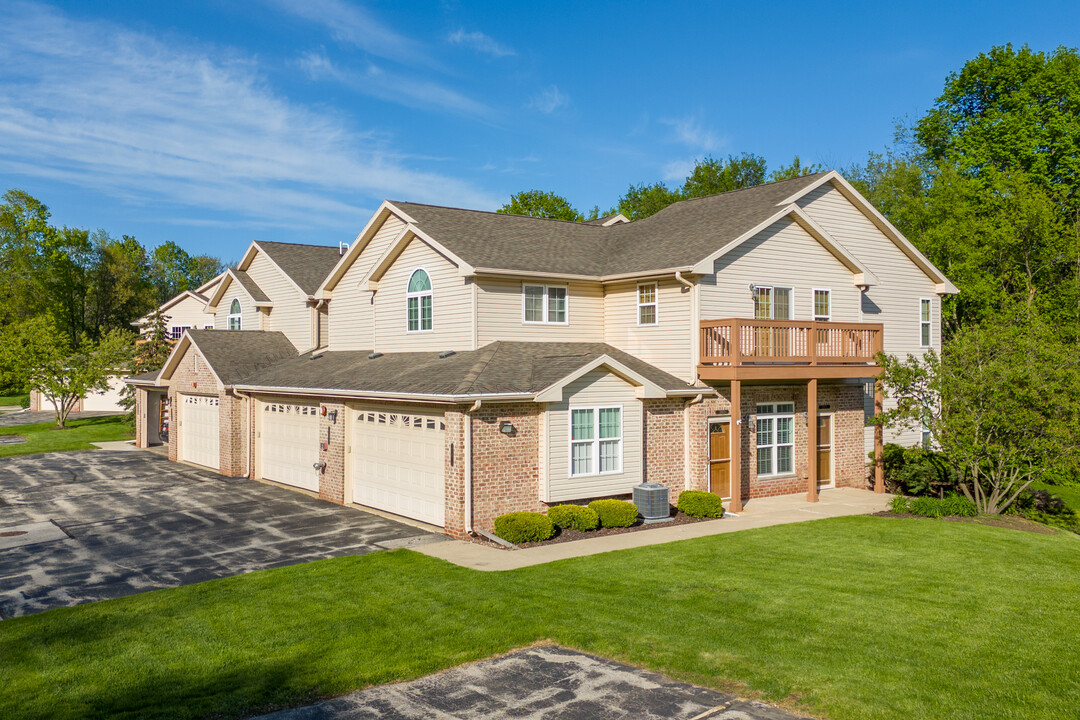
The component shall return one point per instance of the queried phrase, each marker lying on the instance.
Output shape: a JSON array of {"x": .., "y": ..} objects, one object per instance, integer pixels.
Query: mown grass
[
  {"x": 44, "y": 438},
  {"x": 847, "y": 618},
  {"x": 15, "y": 400},
  {"x": 1069, "y": 493}
]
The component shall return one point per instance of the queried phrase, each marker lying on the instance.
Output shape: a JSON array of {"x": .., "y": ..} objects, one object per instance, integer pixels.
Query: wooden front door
[
  {"x": 825, "y": 450},
  {"x": 720, "y": 458}
]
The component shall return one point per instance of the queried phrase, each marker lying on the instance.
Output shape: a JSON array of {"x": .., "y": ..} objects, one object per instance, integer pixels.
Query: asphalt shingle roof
[
  {"x": 501, "y": 367},
  {"x": 236, "y": 354},
  {"x": 680, "y": 235},
  {"x": 307, "y": 265},
  {"x": 250, "y": 286}
]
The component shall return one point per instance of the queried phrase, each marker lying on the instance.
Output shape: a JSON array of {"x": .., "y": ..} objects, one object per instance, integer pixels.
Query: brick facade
[
  {"x": 506, "y": 468},
  {"x": 457, "y": 423},
  {"x": 332, "y": 443},
  {"x": 664, "y": 444}
]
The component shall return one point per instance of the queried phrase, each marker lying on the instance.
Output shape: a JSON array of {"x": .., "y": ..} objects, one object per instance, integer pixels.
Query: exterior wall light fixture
[{"x": 506, "y": 427}]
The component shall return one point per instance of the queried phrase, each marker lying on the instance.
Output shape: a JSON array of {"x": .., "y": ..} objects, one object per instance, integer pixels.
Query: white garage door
[
  {"x": 289, "y": 444},
  {"x": 199, "y": 438},
  {"x": 398, "y": 463},
  {"x": 109, "y": 401}
]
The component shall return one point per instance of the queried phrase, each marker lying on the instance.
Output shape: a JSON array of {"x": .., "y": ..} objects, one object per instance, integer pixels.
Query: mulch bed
[
  {"x": 1010, "y": 522},
  {"x": 678, "y": 518}
]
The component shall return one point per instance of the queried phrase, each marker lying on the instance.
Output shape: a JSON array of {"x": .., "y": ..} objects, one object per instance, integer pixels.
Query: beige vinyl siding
[
  {"x": 351, "y": 309},
  {"x": 189, "y": 312},
  {"x": 894, "y": 301},
  {"x": 452, "y": 327},
  {"x": 667, "y": 345},
  {"x": 597, "y": 388},
  {"x": 250, "y": 317},
  {"x": 783, "y": 255},
  {"x": 500, "y": 313},
  {"x": 290, "y": 314}
]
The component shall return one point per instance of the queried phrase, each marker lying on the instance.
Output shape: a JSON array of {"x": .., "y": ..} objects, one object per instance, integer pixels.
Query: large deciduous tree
[
  {"x": 1000, "y": 404},
  {"x": 540, "y": 204}
]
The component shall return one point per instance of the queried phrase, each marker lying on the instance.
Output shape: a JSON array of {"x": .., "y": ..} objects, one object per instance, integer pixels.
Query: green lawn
[
  {"x": 1070, "y": 494},
  {"x": 42, "y": 438},
  {"x": 847, "y": 618},
  {"x": 12, "y": 399}
]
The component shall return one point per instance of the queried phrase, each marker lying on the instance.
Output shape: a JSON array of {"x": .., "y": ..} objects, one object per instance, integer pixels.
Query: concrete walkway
[{"x": 756, "y": 514}]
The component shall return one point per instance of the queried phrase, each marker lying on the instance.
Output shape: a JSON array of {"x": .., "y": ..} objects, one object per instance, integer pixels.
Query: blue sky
[{"x": 217, "y": 123}]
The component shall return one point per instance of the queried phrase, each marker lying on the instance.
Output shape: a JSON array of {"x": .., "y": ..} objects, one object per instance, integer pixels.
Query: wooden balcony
[{"x": 772, "y": 350}]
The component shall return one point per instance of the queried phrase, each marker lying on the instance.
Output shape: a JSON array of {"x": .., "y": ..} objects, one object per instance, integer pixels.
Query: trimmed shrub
[
  {"x": 958, "y": 506},
  {"x": 899, "y": 504},
  {"x": 615, "y": 513},
  {"x": 574, "y": 517},
  {"x": 523, "y": 527},
  {"x": 700, "y": 504},
  {"x": 925, "y": 506}
]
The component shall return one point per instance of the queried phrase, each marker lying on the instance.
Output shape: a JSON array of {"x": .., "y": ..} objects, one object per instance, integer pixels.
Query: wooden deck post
[
  {"x": 879, "y": 439},
  {"x": 736, "y": 447},
  {"x": 811, "y": 441}
]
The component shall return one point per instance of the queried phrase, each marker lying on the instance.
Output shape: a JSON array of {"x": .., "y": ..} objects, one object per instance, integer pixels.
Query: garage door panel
[
  {"x": 398, "y": 463},
  {"x": 200, "y": 438},
  {"x": 289, "y": 444}
]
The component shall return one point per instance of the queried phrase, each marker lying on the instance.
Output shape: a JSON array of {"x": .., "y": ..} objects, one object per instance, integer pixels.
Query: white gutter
[
  {"x": 468, "y": 468},
  {"x": 380, "y": 395},
  {"x": 585, "y": 278}
]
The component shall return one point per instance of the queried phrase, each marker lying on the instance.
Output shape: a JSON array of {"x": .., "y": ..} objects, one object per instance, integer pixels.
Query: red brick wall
[
  {"x": 456, "y": 424},
  {"x": 332, "y": 479},
  {"x": 849, "y": 448},
  {"x": 663, "y": 453},
  {"x": 506, "y": 468},
  {"x": 233, "y": 433}
]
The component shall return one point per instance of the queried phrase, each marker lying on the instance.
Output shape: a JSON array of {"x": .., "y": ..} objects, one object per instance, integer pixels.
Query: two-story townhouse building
[{"x": 476, "y": 363}]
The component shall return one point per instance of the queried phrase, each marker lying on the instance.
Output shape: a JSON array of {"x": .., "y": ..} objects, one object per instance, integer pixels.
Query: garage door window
[{"x": 416, "y": 422}]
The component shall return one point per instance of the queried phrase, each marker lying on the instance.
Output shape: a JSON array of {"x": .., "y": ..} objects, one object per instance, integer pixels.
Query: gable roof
[
  {"x": 172, "y": 302},
  {"x": 243, "y": 280},
  {"x": 306, "y": 265},
  {"x": 677, "y": 237},
  {"x": 523, "y": 369},
  {"x": 232, "y": 354}
]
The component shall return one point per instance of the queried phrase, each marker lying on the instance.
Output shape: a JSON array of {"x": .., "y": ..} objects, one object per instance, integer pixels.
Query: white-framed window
[
  {"x": 647, "y": 304},
  {"x": 772, "y": 303},
  {"x": 544, "y": 304},
  {"x": 926, "y": 312},
  {"x": 595, "y": 440},
  {"x": 822, "y": 304},
  {"x": 208, "y": 327},
  {"x": 418, "y": 302},
  {"x": 775, "y": 430},
  {"x": 236, "y": 318},
  {"x": 177, "y": 331}
]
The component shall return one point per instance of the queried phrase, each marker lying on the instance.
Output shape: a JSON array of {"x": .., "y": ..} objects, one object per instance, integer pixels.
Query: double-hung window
[
  {"x": 775, "y": 425},
  {"x": 822, "y": 304},
  {"x": 544, "y": 304},
  {"x": 418, "y": 298},
  {"x": 646, "y": 304},
  {"x": 595, "y": 440},
  {"x": 926, "y": 311},
  {"x": 236, "y": 318}
]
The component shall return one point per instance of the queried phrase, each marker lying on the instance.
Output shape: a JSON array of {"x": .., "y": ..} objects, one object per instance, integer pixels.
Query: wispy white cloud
[
  {"x": 354, "y": 25},
  {"x": 378, "y": 82},
  {"x": 677, "y": 170},
  {"x": 480, "y": 42},
  {"x": 692, "y": 132},
  {"x": 101, "y": 107},
  {"x": 549, "y": 100}
]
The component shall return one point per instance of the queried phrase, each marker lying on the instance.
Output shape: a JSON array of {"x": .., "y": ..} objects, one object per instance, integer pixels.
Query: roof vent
[
  {"x": 342, "y": 248},
  {"x": 374, "y": 355},
  {"x": 446, "y": 354},
  {"x": 652, "y": 502}
]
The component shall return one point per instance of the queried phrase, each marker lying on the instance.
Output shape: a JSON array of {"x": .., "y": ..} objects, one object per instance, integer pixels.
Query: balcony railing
[{"x": 825, "y": 349}]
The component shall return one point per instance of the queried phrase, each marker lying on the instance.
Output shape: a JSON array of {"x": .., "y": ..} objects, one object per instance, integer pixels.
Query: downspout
[{"x": 468, "y": 468}]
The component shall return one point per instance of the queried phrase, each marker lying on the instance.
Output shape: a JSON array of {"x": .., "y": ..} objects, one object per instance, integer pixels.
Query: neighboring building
[{"x": 456, "y": 365}]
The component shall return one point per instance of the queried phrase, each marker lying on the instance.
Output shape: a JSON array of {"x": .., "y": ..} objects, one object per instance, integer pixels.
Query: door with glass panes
[{"x": 772, "y": 303}]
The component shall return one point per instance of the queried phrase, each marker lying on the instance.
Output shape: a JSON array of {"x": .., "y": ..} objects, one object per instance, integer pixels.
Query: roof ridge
[
  {"x": 738, "y": 190},
  {"x": 293, "y": 244},
  {"x": 494, "y": 212}
]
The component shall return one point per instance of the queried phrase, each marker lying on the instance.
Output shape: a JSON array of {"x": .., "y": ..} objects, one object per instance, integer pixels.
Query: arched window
[
  {"x": 235, "y": 318},
  {"x": 418, "y": 301}
]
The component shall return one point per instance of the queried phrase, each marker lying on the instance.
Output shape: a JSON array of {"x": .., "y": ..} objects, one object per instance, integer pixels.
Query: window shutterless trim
[
  {"x": 655, "y": 304},
  {"x": 545, "y": 307},
  {"x": 238, "y": 315},
  {"x": 928, "y": 323},
  {"x": 419, "y": 295},
  {"x": 775, "y": 445},
  {"x": 813, "y": 304},
  {"x": 772, "y": 301},
  {"x": 594, "y": 470}
]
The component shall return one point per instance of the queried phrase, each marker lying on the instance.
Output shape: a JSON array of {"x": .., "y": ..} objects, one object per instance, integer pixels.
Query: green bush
[
  {"x": 899, "y": 504},
  {"x": 523, "y": 527},
  {"x": 925, "y": 506},
  {"x": 958, "y": 506},
  {"x": 700, "y": 504},
  {"x": 914, "y": 470},
  {"x": 574, "y": 517},
  {"x": 615, "y": 513}
]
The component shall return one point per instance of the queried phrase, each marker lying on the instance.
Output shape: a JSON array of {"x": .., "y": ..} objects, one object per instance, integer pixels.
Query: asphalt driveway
[{"x": 108, "y": 524}]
